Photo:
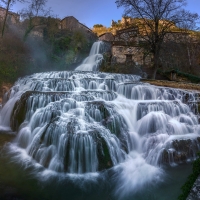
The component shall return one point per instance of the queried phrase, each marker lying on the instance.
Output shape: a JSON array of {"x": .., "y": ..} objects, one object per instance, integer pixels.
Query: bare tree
[
  {"x": 35, "y": 15},
  {"x": 7, "y": 4},
  {"x": 156, "y": 18}
]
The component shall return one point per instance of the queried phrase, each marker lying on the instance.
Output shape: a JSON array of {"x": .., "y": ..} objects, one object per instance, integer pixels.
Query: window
[{"x": 128, "y": 57}]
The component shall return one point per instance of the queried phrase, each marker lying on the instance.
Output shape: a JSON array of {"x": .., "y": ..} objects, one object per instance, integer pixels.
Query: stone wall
[
  {"x": 126, "y": 48},
  {"x": 125, "y": 54},
  {"x": 69, "y": 23},
  {"x": 11, "y": 18}
]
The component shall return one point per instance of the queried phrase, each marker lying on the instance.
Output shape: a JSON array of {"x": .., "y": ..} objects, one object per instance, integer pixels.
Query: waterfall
[
  {"x": 79, "y": 122},
  {"x": 92, "y": 62}
]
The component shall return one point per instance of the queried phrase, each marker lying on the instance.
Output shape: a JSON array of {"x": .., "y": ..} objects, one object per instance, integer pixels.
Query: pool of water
[{"x": 29, "y": 181}]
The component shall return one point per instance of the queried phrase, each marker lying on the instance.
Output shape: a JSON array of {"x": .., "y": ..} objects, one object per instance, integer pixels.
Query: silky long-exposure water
[{"x": 92, "y": 135}]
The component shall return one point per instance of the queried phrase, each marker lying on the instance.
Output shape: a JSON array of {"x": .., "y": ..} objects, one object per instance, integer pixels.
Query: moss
[{"x": 104, "y": 158}]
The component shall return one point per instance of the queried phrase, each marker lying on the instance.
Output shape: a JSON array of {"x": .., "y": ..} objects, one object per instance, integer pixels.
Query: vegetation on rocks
[
  {"x": 191, "y": 179},
  {"x": 54, "y": 50}
]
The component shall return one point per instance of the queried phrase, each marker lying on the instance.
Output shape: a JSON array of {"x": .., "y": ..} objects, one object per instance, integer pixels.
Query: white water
[
  {"x": 85, "y": 122},
  {"x": 92, "y": 62}
]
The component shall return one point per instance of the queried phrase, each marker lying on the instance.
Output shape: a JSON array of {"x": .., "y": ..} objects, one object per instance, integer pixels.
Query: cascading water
[
  {"x": 92, "y": 62},
  {"x": 81, "y": 122}
]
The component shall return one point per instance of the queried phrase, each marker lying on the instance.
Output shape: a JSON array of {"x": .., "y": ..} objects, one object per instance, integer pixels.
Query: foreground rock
[{"x": 195, "y": 191}]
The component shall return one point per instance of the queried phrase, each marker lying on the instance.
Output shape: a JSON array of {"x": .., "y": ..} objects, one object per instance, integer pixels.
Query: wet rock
[{"x": 181, "y": 151}]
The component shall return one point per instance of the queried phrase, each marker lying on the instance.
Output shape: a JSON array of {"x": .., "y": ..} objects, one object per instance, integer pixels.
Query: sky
[{"x": 90, "y": 12}]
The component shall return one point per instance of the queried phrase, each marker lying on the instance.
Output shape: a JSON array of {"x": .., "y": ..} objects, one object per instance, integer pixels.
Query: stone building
[
  {"x": 130, "y": 44},
  {"x": 72, "y": 24},
  {"x": 68, "y": 23},
  {"x": 126, "y": 48},
  {"x": 12, "y": 17}
]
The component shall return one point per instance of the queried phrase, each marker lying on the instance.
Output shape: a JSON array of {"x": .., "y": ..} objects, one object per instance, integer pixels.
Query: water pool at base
[{"x": 21, "y": 182}]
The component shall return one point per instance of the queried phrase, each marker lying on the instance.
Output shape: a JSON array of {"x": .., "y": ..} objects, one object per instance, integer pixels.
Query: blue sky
[{"x": 90, "y": 12}]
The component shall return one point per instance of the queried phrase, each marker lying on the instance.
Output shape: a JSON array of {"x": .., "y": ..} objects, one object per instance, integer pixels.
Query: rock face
[
  {"x": 12, "y": 17},
  {"x": 182, "y": 151},
  {"x": 195, "y": 191}
]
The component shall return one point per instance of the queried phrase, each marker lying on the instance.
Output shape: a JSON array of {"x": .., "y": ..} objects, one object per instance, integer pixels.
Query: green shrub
[{"x": 191, "y": 77}]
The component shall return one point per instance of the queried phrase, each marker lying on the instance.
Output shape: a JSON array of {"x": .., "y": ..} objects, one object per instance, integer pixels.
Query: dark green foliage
[
  {"x": 12, "y": 59},
  {"x": 57, "y": 50},
  {"x": 191, "y": 77},
  {"x": 61, "y": 45},
  {"x": 103, "y": 153},
  {"x": 191, "y": 179},
  {"x": 67, "y": 47},
  {"x": 7, "y": 72}
]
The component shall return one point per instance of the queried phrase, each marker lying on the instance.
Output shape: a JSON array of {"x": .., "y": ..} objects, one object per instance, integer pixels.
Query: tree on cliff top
[{"x": 158, "y": 18}]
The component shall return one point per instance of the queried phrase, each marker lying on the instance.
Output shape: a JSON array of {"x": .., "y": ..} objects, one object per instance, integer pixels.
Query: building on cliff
[
  {"x": 126, "y": 47},
  {"x": 12, "y": 17},
  {"x": 130, "y": 43},
  {"x": 72, "y": 24},
  {"x": 68, "y": 23}
]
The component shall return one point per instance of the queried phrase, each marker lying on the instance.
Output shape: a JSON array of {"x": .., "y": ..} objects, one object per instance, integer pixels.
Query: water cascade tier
[
  {"x": 80, "y": 122},
  {"x": 95, "y": 58}
]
